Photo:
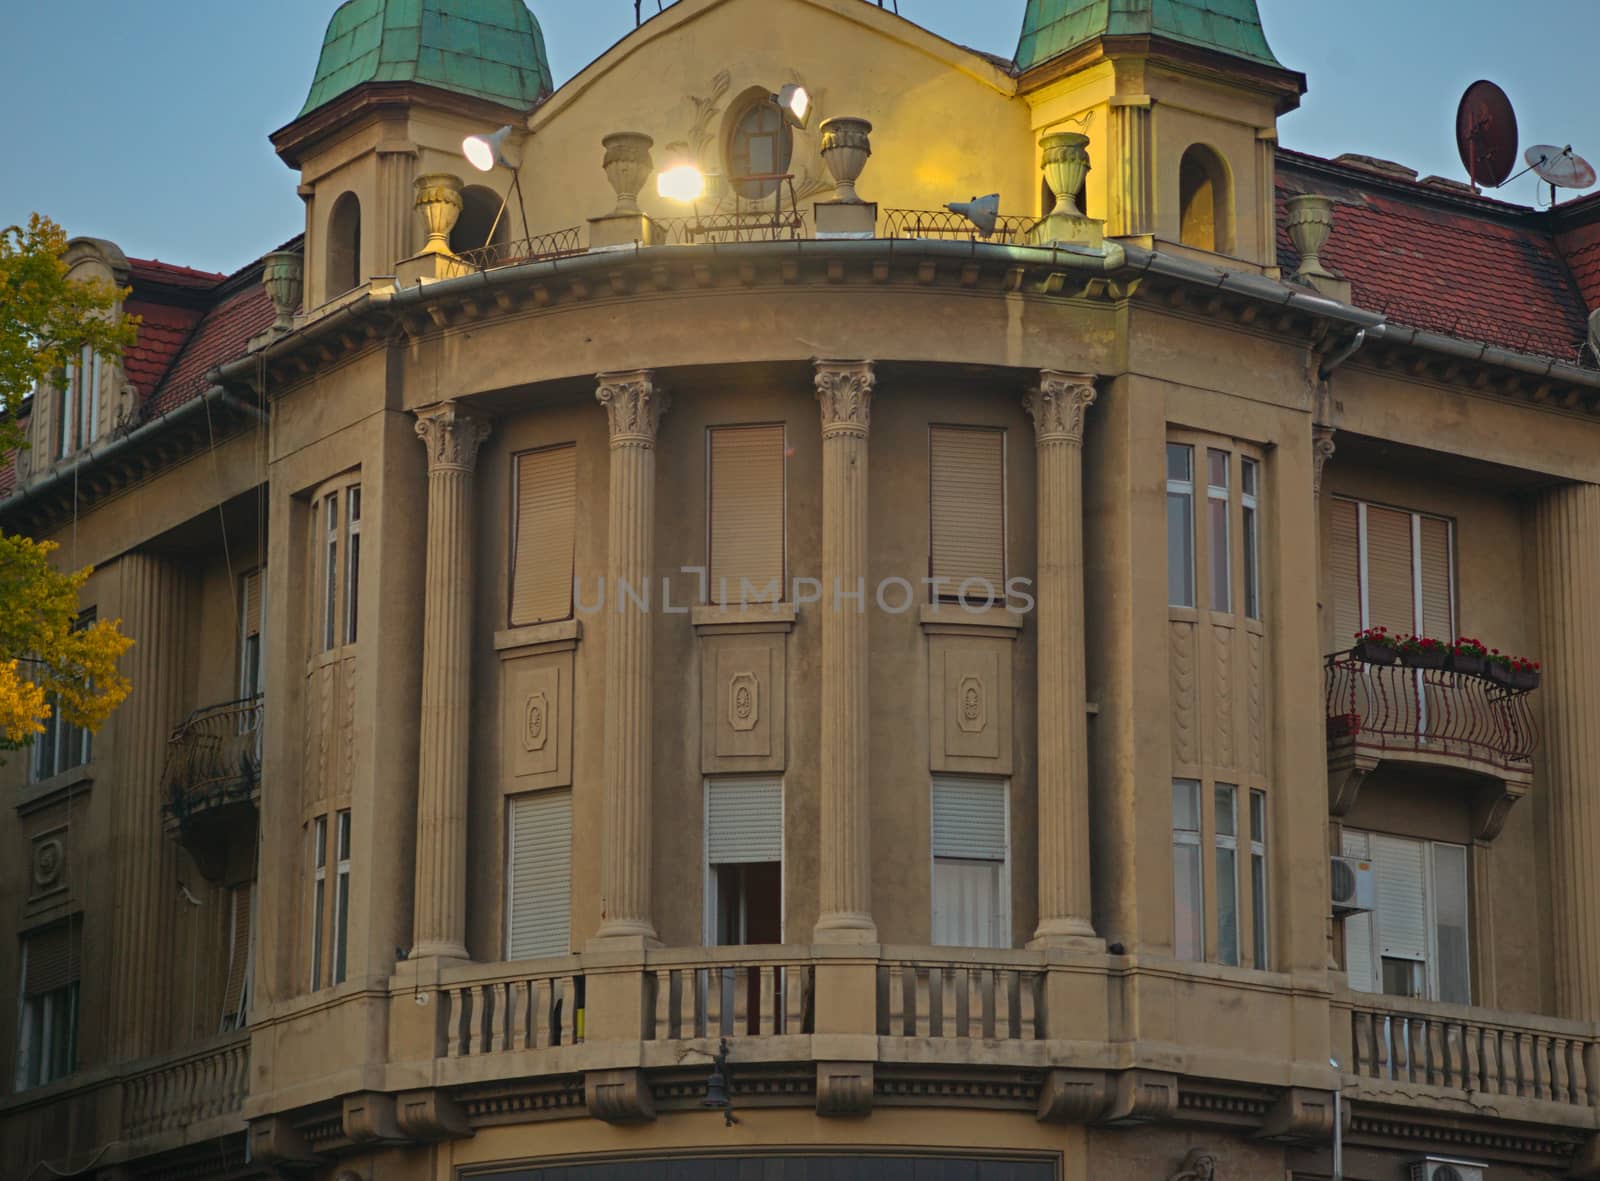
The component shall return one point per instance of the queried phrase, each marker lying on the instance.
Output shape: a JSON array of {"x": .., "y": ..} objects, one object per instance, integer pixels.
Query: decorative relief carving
[
  {"x": 536, "y": 726},
  {"x": 347, "y": 727},
  {"x": 634, "y": 404},
  {"x": 452, "y": 436},
  {"x": 971, "y": 706},
  {"x": 1222, "y": 694},
  {"x": 536, "y": 717},
  {"x": 49, "y": 863},
  {"x": 705, "y": 110},
  {"x": 844, "y": 1088},
  {"x": 1199, "y": 1164},
  {"x": 1255, "y": 705},
  {"x": 1058, "y": 405},
  {"x": 744, "y": 701},
  {"x": 1185, "y": 735},
  {"x": 844, "y": 388},
  {"x": 1322, "y": 449}
]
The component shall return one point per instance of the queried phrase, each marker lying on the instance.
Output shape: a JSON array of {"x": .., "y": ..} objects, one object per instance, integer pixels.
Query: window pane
[
  {"x": 967, "y": 906},
  {"x": 1402, "y": 977},
  {"x": 1188, "y": 935},
  {"x": 1180, "y": 462},
  {"x": 1249, "y": 484},
  {"x": 1221, "y": 570},
  {"x": 1251, "y": 481},
  {"x": 1258, "y": 816},
  {"x": 1180, "y": 549},
  {"x": 1186, "y": 805},
  {"x": 1227, "y": 820},
  {"x": 319, "y": 842},
  {"x": 1217, "y": 470},
  {"x": 1228, "y": 906},
  {"x": 1450, "y": 923},
  {"x": 318, "y": 898},
  {"x": 341, "y": 926},
  {"x": 1258, "y": 909}
]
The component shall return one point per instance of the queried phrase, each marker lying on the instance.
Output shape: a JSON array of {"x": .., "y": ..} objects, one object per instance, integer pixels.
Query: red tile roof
[
  {"x": 153, "y": 270},
  {"x": 1442, "y": 261},
  {"x": 1582, "y": 248},
  {"x": 163, "y": 332},
  {"x": 221, "y": 336}
]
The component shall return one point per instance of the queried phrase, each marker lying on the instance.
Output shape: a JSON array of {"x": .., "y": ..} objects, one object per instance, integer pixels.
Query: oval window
[{"x": 760, "y": 151}]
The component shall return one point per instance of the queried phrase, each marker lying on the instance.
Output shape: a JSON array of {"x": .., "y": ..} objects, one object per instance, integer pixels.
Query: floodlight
[
  {"x": 795, "y": 101},
  {"x": 483, "y": 152}
]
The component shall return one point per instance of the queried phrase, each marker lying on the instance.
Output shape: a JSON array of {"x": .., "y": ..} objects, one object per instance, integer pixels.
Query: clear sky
[{"x": 146, "y": 121}]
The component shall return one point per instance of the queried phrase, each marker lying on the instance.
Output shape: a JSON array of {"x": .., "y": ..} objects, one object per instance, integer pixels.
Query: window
[
  {"x": 967, "y": 546},
  {"x": 319, "y": 894},
  {"x": 1233, "y": 504},
  {"x": 78, "y": 414},
  {"x": 252, "y": 606},
  {"x": 759, "y": 150},
  {"x": 1227, "y": 870},
  {"x": 47, "y": 1043},
  {"x": 744, "y": 861},
  {"x": 62, "y": 746},
  {"x": 746, "y": 514},
  {"x": 1391, "y": 568},
  {"x": 1205, "y": 201},
  {"x": 971, "y": 845},
  {"x": 336, "y": 528},
  {"x": 1189, "y": 919},
  {"x": 1237, "y": 888},
  {"x": 539, "y": 875},
  {"x": 241, "y": 956},
  {"x": 341, "y": 896},
  {"x": 330, "y": 909},
  {"x": 544, "y": 534},
  {"x": 1415, "y": 943},
  {"x": 1258, "y": 877},
  {"x": 344, "y": 246}
]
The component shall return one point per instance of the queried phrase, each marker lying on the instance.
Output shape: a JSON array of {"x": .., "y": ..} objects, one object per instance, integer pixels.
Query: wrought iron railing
[
  {"x": 560, "y": 244},
  {"x": 1396, "y": 707},
  {"x": 747, "y": 226},
  {"x": 213, "y": 758},
  {"x": 942, "y": 223}
]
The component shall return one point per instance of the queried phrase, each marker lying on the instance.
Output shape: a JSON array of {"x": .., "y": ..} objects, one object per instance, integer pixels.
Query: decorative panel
[
  {"x": 743, "y": 695},
  {"x": 1256, "y": 704},
  {"x": 536, "y": 731},
  {"x": 329, "y": 733},
  {"x": 1224, "y": 748},
  {"x": 1185, "y": 695},
  {"x": 969, "y": 704}
]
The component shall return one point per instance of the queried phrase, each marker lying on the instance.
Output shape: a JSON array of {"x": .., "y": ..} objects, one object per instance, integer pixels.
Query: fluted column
[
  {"x": 844, "y": 389},
  {"x": 452, "y": 435},
  {"x": 1131, "y": 211},
  {"x": 1058, "y": 408},
  {"x": 1568, "y": 539},
  {"x": 634, "y": 403},
  {"x": 154, "y": 612}
]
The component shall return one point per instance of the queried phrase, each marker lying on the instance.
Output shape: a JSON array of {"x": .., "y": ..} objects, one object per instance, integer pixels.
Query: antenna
[
  {"x": 1560, "y": 168},
  {"x": 1486, "y": 134}
]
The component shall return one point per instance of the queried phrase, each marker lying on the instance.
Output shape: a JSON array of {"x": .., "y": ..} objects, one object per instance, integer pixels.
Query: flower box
[
  {"x": 1435, "y": 657},
  {"x": 1470, "y": 663},
  {"x": 1373, "y": 652},
  {"x": 1518, "y": 677}
]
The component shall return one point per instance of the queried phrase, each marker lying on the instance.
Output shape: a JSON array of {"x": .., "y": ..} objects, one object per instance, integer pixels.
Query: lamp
[
  {"x": 681, "y": 180},
  {"x": 982, "y": 212},
  {"x": 717, "y": 1086},
  {"x": 795, "y": 101},
  {"x": 483, "y": 152}
]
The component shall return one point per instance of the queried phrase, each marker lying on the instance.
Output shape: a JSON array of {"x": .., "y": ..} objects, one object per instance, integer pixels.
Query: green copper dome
[
  {"x": 1052, "y": 27},
  {"x": 492, "y": 49}
]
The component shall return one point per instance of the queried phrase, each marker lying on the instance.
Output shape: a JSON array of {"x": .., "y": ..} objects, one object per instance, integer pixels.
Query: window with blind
[
  {"x": 241, "y": 953},
  {"x": 1415, "y": 943},
  {"x": 967, "y": 512},
  {"x": 47, "y": 1046},
  {"x": 544, "y": 535},
  {"x": 62, "y": 745},
  {"x": 745, "y": 514},
  {"x": 252, "y": 608},
  {"x": 539, "y": 875},
  {"x": 744, "y": 861},
  {"x": 971, "y": 845},
  {"x": 1391, "y": 568}
]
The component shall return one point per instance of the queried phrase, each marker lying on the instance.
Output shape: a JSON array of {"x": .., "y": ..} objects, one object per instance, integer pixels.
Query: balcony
[
  {"x": 1465, "y": 725},
  {"x": 212, "y": 782}
]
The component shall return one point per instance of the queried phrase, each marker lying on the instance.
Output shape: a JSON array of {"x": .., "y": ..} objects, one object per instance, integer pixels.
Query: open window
[
  {"x": 1415, "y": 943},
  {"x": 47, "y": 1045},
  {"x": 744, "y": 861}
]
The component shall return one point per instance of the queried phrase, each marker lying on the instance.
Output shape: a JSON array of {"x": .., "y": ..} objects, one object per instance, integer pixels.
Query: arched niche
[
  {"x": 344, "y": 246},
  {"x": 1205, "y": 200},
  {"x": 480, "y": 207}
]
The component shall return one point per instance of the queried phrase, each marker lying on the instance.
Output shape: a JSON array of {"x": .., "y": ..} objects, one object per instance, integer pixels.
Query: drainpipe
[{"x": 1350, "y": 349}]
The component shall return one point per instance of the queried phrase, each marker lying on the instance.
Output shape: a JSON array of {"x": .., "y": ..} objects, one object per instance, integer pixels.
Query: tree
[{"x": 47, "y": 662}]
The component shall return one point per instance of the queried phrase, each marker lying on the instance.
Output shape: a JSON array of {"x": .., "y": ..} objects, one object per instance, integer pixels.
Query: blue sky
[{"x": 146, "y": 122}]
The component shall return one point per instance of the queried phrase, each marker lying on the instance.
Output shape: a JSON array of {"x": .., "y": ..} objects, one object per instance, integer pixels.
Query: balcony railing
[
  {"x": 942, "y": 223},
  {"x": 513, "y": 1009},
  {"x": 1398, "y": 709},
  {"x": 213, "y": 758},
  {"x": 202, "y": 1085},
  {"x": 731, "y": 992},
  {"x": 1471, "y": 1052},
  {"x": 985, "y": 995},
  {"x": 560, "y": 244}
]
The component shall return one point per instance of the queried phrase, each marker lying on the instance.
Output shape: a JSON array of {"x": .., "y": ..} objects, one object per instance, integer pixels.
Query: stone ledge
[
  {"x": 748, "y": 618},
  {"x": 545, "y": 637}
]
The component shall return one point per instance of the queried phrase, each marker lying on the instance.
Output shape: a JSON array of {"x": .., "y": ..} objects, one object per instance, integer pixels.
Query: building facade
[{"x": 783, "y": 683}]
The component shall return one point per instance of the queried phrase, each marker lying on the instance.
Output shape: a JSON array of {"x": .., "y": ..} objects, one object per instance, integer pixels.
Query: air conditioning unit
[
  {"x": 1355, "y": 889},
  {"x": 1441, "y": 1168}
]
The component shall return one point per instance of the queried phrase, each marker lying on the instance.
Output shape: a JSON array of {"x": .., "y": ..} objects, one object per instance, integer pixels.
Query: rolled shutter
[
  {"x": 54, "y": 958},
  {"x": 252, "y": 604},
  {"x": 1438, "y": 617},
  {"x": 238, "y": 958},
  {"x": 546, "y": 534},
  {"x": 747, "y": 513},
  {"x": 1402, "y": 904},
  {"x": 967, "y": 493},
  {"x": 1358, "y": 927},
  {"x": 744, "y": 821},
  {"x": 1391, "y": 590},
  {"x": 540, "y": 876},
  {"x": 1344, "y": 569},
  {"x": 969, "y": 818}
]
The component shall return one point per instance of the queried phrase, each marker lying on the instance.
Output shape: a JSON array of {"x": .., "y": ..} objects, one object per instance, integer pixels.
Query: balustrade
[
  {"x": 512, "y": 1011},
  {"x": 203, "y": 1085},
  {"x": 961, "y": 998}
]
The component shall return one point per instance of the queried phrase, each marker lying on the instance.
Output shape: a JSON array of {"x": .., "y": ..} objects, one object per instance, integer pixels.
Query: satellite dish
[
  {"x": 1486, "y": 134},
  {"x": 982, "y": 212},
  {"x": 1560, "y": 167}
]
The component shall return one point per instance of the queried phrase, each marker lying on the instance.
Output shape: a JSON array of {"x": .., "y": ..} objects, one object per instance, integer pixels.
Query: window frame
[
  {"x": 1363, "y": 574},
  {"x": 342, "y": 838},
  {"x": 319, "y": 896},
  {"x": 712, "y": 591},
  {"x": 1006, "y": 917},
  {"x": 709, "y": 889},
  {"x": 36, "y": 1051},
  {"x": 514, "y": 515},
  {"x": 1431, "y": 965},
  {"x": 59, "y": 734},
  {"x": 759, "y": 104},
  {"x": 335, "y": 589},
  {"x": 953, "y": 594}
]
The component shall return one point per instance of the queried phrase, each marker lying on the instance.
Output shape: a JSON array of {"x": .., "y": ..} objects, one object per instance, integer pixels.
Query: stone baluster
[
  {"x": 844, "y": 389},
  {"x": 634, "y": 403},
  {"x": 1059, "y": 407},
  {"x": 452, "y": 435}
]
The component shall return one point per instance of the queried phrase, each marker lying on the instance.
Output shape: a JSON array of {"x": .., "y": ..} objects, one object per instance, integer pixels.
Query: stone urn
[
  {"x": 1310, "y": 220},
  {"x": 628, "y": 165},
  {"x": 438, "y": 199},
  {"x": 846, "y": 145},
  {"x": 1066, "y": 163},
  {"x": 283, "y": 274}
]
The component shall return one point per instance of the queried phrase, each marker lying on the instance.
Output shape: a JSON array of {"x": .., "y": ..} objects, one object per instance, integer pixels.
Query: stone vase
[
  {"x": 846, "y": 146},
  {"x": 1310, "y": 219},
  {"x": 628, "y": 165},
  {"x": 438, "y": 199},
  {"x": 1066, "y": 163},
  {"x": 283, "y": 275}
]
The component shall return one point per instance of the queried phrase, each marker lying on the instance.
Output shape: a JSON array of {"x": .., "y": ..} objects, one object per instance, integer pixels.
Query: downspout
[{"x": 1350, "y": 349}]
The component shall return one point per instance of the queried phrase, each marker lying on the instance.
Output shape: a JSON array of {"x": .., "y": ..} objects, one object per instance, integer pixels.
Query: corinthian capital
[
  {"x": 1058, "y": 405},
  {"x": 635, "y": 404},
  {"x": 452, "y": 435},
  {"x": 845, "y": 390}
]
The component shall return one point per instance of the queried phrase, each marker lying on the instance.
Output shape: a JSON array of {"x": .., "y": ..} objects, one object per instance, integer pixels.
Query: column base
[
  {"x": 847, "y": 927},
  {"x": 624, "y": 935},
  {"x": 438, "y": 950},
  {"x": 1067, "y": 934}
]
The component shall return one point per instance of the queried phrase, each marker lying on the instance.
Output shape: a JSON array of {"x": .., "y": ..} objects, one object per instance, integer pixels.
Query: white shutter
[
  {"x": 969, "y": 818},
  {"x": 744, "y": 821},
  {"x": 1358, "y": 961},
  {"x": 1402, "y": 903},
  {"x": 967, "y": 907},
  {"x": 539, "y": 876}
]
